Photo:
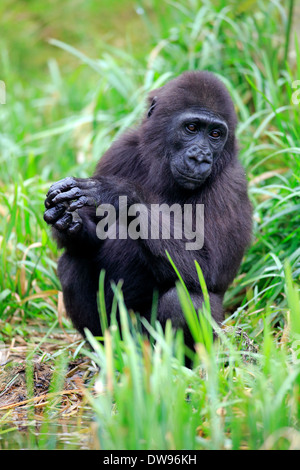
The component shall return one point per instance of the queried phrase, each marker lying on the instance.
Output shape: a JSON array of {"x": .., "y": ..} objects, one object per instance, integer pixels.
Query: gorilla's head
[{"x": 190, "y": 123}]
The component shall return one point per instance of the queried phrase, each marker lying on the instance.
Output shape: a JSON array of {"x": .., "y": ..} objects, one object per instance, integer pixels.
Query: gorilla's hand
[{"x": 65, "y": 197}]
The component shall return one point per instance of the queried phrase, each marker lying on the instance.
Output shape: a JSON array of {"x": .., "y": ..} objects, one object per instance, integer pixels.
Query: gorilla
[{"x": 183, "y": 154}]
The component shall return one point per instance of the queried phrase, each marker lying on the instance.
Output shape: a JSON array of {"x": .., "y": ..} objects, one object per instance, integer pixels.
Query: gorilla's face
[{"x": 195, "y": 140}]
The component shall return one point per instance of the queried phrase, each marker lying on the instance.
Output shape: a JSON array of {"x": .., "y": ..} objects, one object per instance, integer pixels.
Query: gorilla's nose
[{"x": 199, "y": 155}]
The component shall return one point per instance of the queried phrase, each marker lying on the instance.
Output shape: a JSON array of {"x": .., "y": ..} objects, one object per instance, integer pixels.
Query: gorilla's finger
[
  {"x": 78, "y": 203},
  {"x": 49, "y": 200},
  {"x": 62, "y": 185},
  {"x": 76, "y": 224},
  {"x": 67, "y": 196},
  {"x": 51, "y": 215},
  {"x": 48, "y": 203},
  {"x": 74, "y": 228},
  {"x": 64, "y": 222},
  {"x": 70, "y": 182}
]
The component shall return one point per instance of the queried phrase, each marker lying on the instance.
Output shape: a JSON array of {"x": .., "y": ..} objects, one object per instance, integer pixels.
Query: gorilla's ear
[{"x": 153, "y": 104}]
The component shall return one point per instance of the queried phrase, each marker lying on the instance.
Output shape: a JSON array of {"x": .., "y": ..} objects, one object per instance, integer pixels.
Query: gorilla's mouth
[{"x": 196, "y": 179}]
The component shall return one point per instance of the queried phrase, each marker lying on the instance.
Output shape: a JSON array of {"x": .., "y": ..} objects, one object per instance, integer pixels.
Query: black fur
[{"x": 138, "y": 165}]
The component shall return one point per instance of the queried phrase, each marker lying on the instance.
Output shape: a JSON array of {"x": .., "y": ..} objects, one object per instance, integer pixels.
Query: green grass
[
  {"x": 67, "y": 99},
  {"x": 230, "y": 400}
]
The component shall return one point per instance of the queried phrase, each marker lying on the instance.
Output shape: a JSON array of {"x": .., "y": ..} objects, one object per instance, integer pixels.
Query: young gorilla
[{"x": 183, "y": 152}]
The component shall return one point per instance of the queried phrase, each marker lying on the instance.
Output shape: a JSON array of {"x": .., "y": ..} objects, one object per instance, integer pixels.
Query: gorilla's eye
[
  {"x": 215, "y": 134},
  {"x": 191, "y": 127}
]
